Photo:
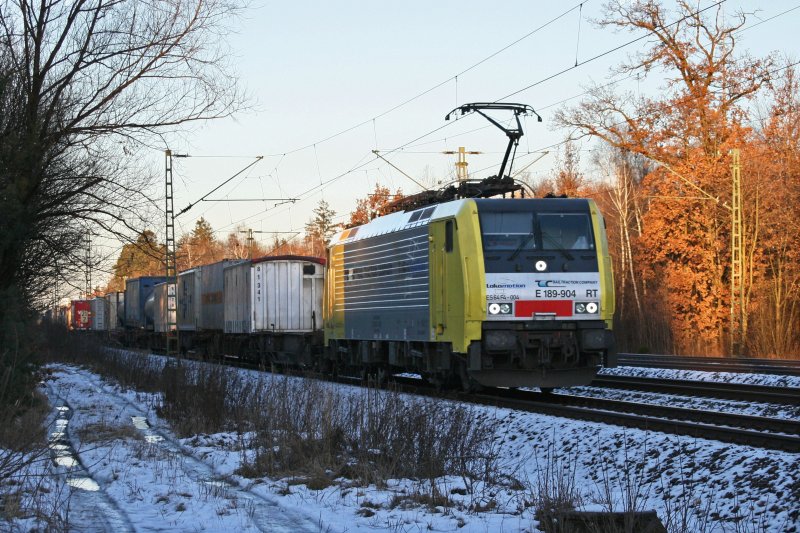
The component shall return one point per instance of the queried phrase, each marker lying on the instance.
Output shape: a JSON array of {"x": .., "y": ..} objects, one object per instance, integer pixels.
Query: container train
[{"x": 471, "y": 292}]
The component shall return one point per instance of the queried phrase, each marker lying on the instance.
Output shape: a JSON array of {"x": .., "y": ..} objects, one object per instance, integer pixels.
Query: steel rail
[
  {"x": 649, "y": 422},
  {"x": 781, "y": 435},
  {"x": 789, "y": 367},
  {"x": 761, "y": 423}
]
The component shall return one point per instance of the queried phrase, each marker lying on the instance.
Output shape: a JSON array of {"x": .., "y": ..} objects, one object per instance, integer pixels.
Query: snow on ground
[
  {"x": 772, "y": 380},
  {"x": 132, "y": 474}
]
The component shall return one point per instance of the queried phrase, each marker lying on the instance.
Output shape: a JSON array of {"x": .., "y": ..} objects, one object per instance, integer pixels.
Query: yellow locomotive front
[{"x": 549, "y": 293}]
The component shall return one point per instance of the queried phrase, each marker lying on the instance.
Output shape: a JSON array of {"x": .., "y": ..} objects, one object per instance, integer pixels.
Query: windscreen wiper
[
  {"x": 558, "y": 247},
  {"x": 522, "y": 245}
]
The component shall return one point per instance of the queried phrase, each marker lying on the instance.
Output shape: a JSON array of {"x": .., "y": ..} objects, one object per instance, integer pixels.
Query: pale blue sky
[{"x": 316, "y": 68}]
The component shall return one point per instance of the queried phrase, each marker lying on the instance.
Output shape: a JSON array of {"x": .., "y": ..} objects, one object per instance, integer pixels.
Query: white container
[
  {"x": 287, "y": 294},
  {"x": 99, "y": 314},
  {"x": 236, "y": 298}
]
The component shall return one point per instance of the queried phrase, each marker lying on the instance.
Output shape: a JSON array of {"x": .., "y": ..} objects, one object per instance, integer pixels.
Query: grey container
[
  {"x": 116, "y": 310},
  {"x": 212, "y": 298},
  {"x": 137, "y": 291},
  {"x": 189, "y": 299},
  {"x": 237, "y": 297},
  {"x": 159, "y": 309}
]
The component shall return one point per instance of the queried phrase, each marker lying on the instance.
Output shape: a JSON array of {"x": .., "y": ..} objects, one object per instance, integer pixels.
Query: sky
[{"x": 388, "y": 73}]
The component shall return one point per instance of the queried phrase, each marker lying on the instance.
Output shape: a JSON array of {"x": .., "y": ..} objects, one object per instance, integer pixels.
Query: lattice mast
[
  {"x": 170, "y": 263},
  {"x": 737, "y": 254}
]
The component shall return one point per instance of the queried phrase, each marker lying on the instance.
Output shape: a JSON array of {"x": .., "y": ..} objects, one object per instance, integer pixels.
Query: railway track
[
  {"x": 789, "y": 367},
  {"x": 703, "y": 389},
  {"x": 754, "y": 431},
  {"x": 748, "y": 430},
  {"x": 760, "y": 432}
]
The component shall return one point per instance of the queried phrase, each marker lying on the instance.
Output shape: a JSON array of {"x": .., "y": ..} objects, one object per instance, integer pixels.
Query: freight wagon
[{"x": 273, "y": 309}]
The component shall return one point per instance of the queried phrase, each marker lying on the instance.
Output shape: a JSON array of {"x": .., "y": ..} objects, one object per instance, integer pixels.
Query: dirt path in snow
[{"x": 96, "y": 507}]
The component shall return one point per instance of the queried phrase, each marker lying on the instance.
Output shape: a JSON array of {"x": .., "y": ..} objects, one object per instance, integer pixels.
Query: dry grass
[
  {"x": 105, "y": 432},
  {"x": 368, "y": 435},
  {"x": 304, "y": 428}
]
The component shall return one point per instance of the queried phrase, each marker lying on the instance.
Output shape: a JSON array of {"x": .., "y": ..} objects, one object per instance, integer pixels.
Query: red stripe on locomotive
[{"x": 527, "y": 308}]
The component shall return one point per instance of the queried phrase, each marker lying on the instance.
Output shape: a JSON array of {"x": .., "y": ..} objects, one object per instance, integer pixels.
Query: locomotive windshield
[
  {"x": 520, "y": 231},
  {"x": 565, "y": 231},
  {"x": 507, "y": 231},
  {"x": 517, "y": 233}
]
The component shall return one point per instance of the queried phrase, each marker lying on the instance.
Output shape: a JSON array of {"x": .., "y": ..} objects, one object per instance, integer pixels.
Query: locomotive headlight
[
  {"x": 500, "y": 309},
  {"x": 586, "y": 308},
  {"x": 540, "y": 266}
]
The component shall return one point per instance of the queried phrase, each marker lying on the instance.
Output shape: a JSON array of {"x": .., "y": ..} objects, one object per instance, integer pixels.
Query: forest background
[
  {"x": 662, "y": 173},
  {"x": 661, "y": 169}
]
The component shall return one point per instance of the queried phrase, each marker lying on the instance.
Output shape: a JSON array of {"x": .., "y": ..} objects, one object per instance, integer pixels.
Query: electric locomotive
[{"x": 493, "y": 292}]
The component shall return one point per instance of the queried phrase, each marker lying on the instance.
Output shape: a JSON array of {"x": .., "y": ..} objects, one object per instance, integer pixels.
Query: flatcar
[{"x": 481, "y": 292}]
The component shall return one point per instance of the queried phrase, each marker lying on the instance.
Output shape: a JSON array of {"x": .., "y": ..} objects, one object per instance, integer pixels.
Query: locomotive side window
[
  {"x": 448, "y": 236},
  {"x": 566, "y": 231}
]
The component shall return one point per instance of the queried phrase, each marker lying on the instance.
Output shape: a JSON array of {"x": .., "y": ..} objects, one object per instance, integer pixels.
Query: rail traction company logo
[
  {"x": 563, "y": 283},
  {"x": 505, "y": 285}
]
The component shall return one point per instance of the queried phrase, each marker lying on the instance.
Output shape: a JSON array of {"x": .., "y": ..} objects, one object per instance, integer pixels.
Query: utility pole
[
  {"x": 88, "y": 265},
  {"x": 170, "y": 263},
  {"x": 251, "y": 239},
  {"x": 737, "y": 253},
  {"x": 249, "y": 242},
  {"x": 461, "y": 164}
]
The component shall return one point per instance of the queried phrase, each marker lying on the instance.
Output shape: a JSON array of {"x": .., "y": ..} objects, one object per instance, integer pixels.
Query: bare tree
[{"x": 85, "y": 87}]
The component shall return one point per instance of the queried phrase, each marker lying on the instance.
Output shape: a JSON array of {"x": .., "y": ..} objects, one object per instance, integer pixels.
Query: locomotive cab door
[{"x": 442, "y": 276}]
